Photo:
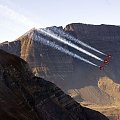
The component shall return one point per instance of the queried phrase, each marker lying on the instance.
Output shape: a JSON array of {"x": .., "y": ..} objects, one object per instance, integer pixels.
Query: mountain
[
  {"x": 105, "y": 38},
  {"x": 110, "y": 87},
  {"x": 69, "y": 73},
  {"x": 106, "y": 93},
  {"x": 62, "y": 69},
  {"x": 24, "y": 96},
  {"x": 44, "y": 61},
  {"x": 91, "y": 94},
  {"x": 104, "y": 98}
]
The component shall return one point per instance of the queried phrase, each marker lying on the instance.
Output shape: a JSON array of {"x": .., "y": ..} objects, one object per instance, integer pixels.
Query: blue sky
[{"x": 18, "y": 16}]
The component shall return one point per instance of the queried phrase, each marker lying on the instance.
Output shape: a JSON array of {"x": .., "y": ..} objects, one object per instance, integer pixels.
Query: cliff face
[
  {"x": 110, "y": 87},
  {"x": 44, "y": 61},
  {"x": 105, "y": 38},
  {"x": 24, "y": 96},
  {"x": 104, "y": 98},
  {"x": 62, "y": 69},
  {"x": 92, "y": 95}
]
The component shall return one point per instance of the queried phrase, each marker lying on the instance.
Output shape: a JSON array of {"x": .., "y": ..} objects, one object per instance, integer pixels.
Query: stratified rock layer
[{"x": 26, "y": 97}]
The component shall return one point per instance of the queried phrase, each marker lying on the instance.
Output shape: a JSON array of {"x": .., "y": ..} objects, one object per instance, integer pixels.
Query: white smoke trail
[
  {"x": 68, "y": 36},
  {"x": 55, "y": 46},
  {"x": 51, "y": 34}
]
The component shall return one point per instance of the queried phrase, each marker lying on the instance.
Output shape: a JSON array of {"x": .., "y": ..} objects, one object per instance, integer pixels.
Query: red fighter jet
[{"x": 106, "y": 61}]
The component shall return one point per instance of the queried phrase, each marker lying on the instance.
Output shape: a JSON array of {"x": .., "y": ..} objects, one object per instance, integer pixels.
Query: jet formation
[{"x": 59, "y": 35}]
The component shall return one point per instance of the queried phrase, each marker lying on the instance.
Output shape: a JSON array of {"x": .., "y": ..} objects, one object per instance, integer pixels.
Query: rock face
[
  {"x": 95, "y": 95},
  {"x": 105, "y": 38},
  {"x": 44, "y": 61},
  {"x": 91, "y": 94},
  {"x": 110, "y": 87},
  {"x": 63, "y": 70},
  {"x": 26, "y": 97},
  {"x": 104, "y": 98},
  {"x": 106, "y": 93}
]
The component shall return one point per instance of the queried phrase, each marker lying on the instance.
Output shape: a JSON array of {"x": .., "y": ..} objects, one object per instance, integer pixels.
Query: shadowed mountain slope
[{"x": 26, "y": 97}]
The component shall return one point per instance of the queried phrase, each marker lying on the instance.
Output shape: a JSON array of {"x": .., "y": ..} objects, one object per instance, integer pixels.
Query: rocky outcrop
[
  {"x": 95, "y": 95},
  {"x": 26, "y": 97},
  {"x": 91, "y": 94},
  {"x": 110, "y": 87},
  {"x": 105, "y": 98},
  {"x": 106, "y": 93}
]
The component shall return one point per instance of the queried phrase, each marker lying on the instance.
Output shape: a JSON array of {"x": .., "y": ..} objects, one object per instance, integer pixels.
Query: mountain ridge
[{"x": 102, "y": 37}]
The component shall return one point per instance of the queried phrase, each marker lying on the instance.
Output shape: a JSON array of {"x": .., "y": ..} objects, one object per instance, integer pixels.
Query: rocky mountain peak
[
  {"x": 105, "y": 81},
  {"x": 110, "y": 87},
  {"x": 60, "y": 68}
]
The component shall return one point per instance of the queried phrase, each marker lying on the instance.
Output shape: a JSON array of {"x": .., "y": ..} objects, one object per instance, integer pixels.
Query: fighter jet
[{"x": 106, "y": 61}]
